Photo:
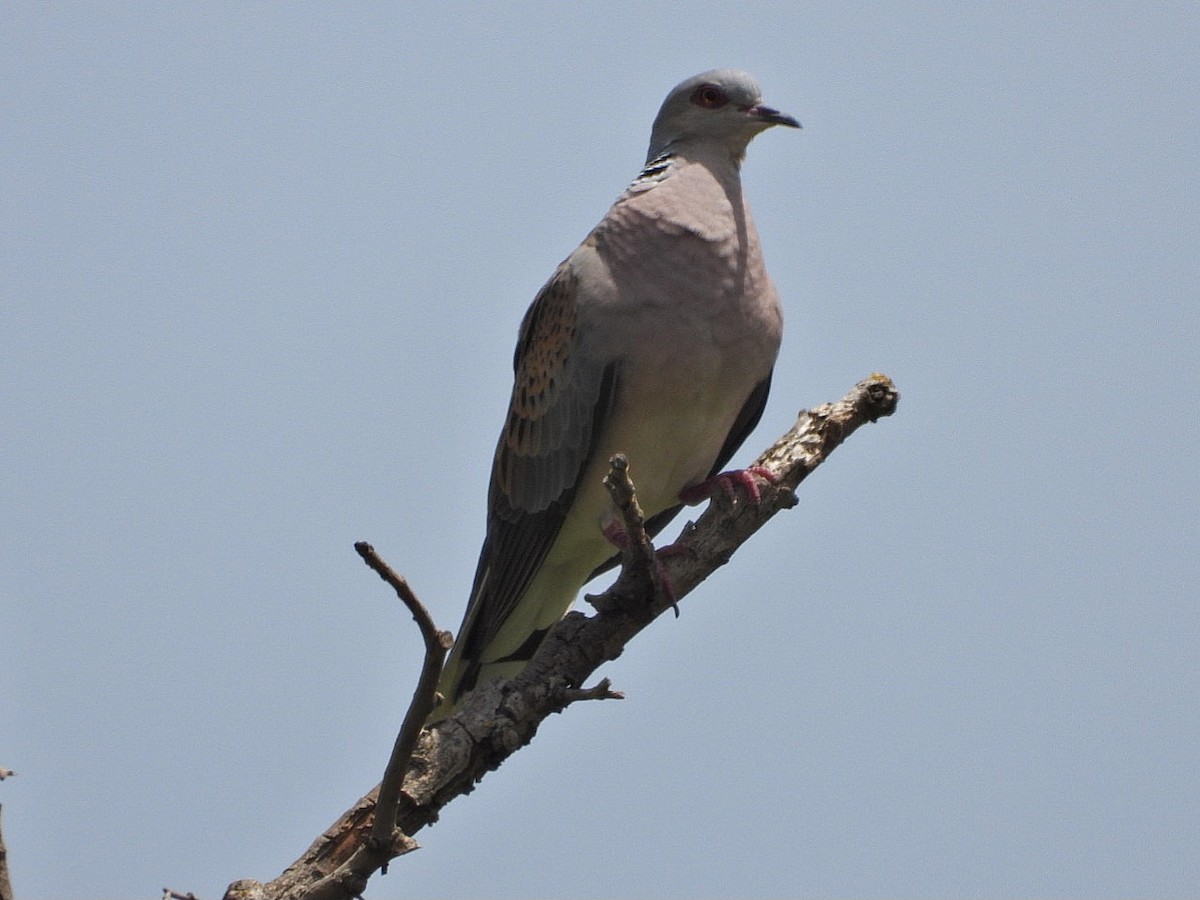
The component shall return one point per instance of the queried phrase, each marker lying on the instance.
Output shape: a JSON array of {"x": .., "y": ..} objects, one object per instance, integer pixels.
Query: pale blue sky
[{"x": 260, "y": 277}]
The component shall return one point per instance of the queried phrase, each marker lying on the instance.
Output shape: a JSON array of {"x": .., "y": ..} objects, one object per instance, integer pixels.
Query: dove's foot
[
  {"x": 619, "y": 538},
  {"x": 616, "y": 535},
  {"x": 726, "y": 483}
]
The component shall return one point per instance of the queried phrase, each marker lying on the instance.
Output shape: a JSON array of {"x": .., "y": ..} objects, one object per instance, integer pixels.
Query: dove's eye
[{"x": 709, "y": 96}]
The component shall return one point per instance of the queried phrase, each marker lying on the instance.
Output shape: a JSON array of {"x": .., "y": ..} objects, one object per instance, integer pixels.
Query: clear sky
[{"x": 261, "y": 271}]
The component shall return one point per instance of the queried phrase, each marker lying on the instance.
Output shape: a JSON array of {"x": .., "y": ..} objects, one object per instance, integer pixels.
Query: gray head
[{"x": 722, "y": 107}]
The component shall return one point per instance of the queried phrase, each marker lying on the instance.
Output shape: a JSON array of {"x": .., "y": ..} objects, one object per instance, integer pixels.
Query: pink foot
[
  {"x": 616, "y": 535},
  {"x": 726, "y": 482},
  {"x": 619, "y": 538}
]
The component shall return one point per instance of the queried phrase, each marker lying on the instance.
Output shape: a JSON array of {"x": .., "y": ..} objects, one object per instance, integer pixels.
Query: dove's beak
[{"x": 772, "y": 116}]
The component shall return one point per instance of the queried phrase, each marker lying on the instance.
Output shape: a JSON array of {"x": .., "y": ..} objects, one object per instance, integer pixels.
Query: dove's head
[{"x": 721, "y": 109}]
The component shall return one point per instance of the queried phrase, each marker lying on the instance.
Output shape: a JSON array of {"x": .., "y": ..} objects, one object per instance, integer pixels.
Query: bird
[{"x": 656, "y": 338}]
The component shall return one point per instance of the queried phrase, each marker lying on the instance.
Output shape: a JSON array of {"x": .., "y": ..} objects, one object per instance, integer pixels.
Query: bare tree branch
[{"x": 498, "y": 718}]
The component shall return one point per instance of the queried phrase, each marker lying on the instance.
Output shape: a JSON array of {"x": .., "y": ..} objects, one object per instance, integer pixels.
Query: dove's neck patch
[{"x": 655, "y": 170}]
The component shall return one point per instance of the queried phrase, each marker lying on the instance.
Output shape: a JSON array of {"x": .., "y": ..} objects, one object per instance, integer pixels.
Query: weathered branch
[{"x": 498, "y": 718}]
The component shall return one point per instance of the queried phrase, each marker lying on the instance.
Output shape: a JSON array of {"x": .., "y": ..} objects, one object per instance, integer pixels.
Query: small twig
[
  {"x": 437, "y": 644},
  {"x": 639, "y": 565},
  {"x": 624, "y": 497},
  {"x": 385, "y": 841},
  {"x": 169, "y": 894},
  {"x": 602, "y": 690},
  {"x": 6, "y": 773}
]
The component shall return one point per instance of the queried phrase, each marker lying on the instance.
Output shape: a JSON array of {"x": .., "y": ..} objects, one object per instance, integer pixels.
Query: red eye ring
[{"x": 709, "y": 96}]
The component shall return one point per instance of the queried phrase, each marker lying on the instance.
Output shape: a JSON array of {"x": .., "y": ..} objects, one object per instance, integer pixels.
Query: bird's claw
[
  {"x": 616, "y": 535},
  {"x": 726, "y": 482}
]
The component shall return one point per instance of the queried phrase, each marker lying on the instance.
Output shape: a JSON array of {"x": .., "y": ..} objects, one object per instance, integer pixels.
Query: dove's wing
[{"x": 559, "y": 404}]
